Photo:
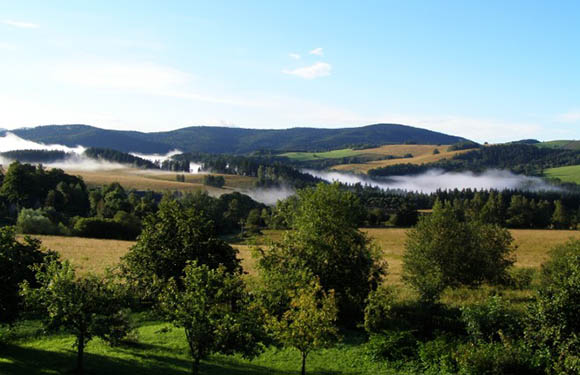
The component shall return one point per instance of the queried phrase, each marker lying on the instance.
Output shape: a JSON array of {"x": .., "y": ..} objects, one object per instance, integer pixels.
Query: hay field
[
  {"x": 421, "y": 154},
  {"x": 94, "y": 255},
  {"x": 160, "y": 180},
  {"x": 569, "y": 173}
]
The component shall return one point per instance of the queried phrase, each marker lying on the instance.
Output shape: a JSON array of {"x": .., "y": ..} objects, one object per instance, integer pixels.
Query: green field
[
  {"x": 335, "y": 154},
  {"x": 566, "y": 174}
]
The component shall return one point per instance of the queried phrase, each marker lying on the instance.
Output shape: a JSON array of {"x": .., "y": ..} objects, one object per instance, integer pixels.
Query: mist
[
  {"x": 12, "y": 142},
  {"x": 157, "y": 157},
  {"x": 436, "y": 179},
  {"x": 269, "y": 196}
]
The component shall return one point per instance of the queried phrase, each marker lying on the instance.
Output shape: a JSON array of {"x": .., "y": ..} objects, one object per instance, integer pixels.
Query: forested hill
[{"x": 233, "y": 140}]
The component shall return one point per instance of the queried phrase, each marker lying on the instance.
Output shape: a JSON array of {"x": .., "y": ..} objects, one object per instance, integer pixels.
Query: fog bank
[
  {"x": 436, "y": 179},
  {"x": 269, "y": 196}
]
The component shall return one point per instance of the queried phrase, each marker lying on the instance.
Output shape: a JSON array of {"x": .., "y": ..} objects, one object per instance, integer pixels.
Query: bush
[
  {"x": 212, "y": 180},
  {"x": 392, "y": 346},
  {"x": 436, "y": 356},
  {"x": 94, "y": 227},
  {"x": 521, "y": 278},
  {"x": 496, "y": 358},
  {"x": 489, "y": 321},
  {"x": 378, "y": 309},
  {"x": 32, "y": 221}
]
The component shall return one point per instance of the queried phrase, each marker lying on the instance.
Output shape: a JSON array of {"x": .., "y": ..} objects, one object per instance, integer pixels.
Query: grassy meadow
[
  {"x": 421, "y": 154},
  {"x": 159, "y": 348},
  {"x": 566, "y": 174},
  {"x": 138, "y": 179}
]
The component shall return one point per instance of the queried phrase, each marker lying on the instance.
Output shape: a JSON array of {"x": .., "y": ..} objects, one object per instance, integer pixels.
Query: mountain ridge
[{"x": 214, "y": 139}]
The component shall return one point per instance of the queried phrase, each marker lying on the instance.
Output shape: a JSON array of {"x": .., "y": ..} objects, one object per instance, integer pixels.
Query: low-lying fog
[
  {"x": 77, "y": 160},
  {"x": 434, "y": 180}
]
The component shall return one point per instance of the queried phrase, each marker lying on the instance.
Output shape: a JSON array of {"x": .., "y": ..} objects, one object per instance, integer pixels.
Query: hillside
[
  {"x": 561, "y": 144},
  {"x": 233, "y": 140}
]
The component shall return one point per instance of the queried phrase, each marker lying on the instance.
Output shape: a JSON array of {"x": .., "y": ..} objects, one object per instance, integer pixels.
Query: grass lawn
[
  {"x": 567, "y": 174},
  {"x": 162, "y": 349}
]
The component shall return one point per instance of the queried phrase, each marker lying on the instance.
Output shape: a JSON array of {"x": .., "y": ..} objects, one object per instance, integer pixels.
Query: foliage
[
  {"x": 31, "y": 221},
  {"x": 216, "y": 312},
  {"x": 553, "y": 324},
  {"x": 171, "y": 238},
  {"x": 215, "y": 181},
  {"x": 446, "y": 250},
  {"x": 309, "y": 322},
  {"x": 392, "y": 346},
  {"x": 16, "y": 260},
  {"x": 378, "y": 312},
  {"x": 119, "y": 157},
  {"x": 487, "y": 322},
  {"x": 325, "y": 241},
  {"x": 87, "y": 307}
]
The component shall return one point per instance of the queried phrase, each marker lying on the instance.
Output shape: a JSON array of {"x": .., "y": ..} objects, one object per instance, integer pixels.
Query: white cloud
[
  {"x": 317, "y": 52},
  {"x": 319, "y": 69},
  {"x": 21, "y": 25},
  {"x": 295, "y": 56},
  {"x": 569, "y": 117}
]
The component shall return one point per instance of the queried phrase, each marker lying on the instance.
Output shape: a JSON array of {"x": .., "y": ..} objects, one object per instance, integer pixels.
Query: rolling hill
[{"x": 233, "y": 140}]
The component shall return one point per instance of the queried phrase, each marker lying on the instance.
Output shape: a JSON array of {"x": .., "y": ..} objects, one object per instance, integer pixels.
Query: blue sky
[{"x": 486, "y": 70}]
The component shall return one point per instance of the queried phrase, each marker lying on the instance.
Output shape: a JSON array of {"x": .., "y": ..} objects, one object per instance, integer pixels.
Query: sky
[{"x": 489, "y": 70}]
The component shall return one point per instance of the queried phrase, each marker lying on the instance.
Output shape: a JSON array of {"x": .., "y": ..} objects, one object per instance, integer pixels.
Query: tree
[
  {"x": 215, "y": 310},
  {"x": 560, "y": 217},
  {"x": 310, "y": 321},
  {"x": 171, "y": 238},
  {"x": 447, "y": 250},
  {"x": 86, "y": 306},
  {"x": 325, "y": 241},
  {"x": 16, "y": 260},
  {"x": 553, "y": 324}
]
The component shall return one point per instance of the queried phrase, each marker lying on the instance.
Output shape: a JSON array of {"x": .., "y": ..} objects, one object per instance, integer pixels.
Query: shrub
[
  {"x": 32, "y": 221},
  {"x": 436, "y": 356},
  {"x": 487, "y": 322},
  {"x": 496, "y": 358},
  {"x": 521, "y": 278},
  {"x": 378, "y": 309},
  {"x": 392, "y": 346}
]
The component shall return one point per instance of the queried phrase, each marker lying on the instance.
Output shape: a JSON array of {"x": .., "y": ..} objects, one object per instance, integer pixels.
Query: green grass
[
  {"x": 566, "y": 174},
  {"x": 162, "y": 349},
  {"x": 335, "y": 154}
]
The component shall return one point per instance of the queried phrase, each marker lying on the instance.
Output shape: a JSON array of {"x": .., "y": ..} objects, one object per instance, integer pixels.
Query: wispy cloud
[
  {"x": 569, "y": 117},
  {"x": 20, "y": 24},
  {"x": 295, "y": 56},
  {"x": 319, "y": 69},
  {"x": 317, "y": 51}
]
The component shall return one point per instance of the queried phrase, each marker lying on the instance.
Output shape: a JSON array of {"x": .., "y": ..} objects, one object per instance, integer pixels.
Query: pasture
[
  {"x": 566, "y": 174},
  {"x": 94, "y": 255},
  {"x": 154, "y": 180}
]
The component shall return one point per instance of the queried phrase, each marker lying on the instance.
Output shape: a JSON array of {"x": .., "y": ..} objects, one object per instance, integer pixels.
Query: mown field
[
  {"x": 94, "y": 255},
  {"x": 566, "y": 174},
  {"x": 421, "y": 154},
  {"x": 158, "y": 348},
  {"x": 138, "y": 179}
]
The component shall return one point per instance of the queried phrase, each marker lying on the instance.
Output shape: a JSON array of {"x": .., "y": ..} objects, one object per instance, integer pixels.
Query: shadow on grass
[{"x": 15, "y": 359}]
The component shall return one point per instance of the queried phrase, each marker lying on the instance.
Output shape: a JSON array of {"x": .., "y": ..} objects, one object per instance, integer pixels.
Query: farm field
[
  {"x": 160, "y": 181},
  {"x": 566, "y": 174},
  {"x": 421, "y": 154},
  {"x": 94, "y": 255}
]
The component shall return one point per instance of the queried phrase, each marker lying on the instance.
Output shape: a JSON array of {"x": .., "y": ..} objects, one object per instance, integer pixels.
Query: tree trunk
[
  {"x": 80, "y": 353},
  {"x": 195, "y": 367},
  {"x": 304, "y": 354}
]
